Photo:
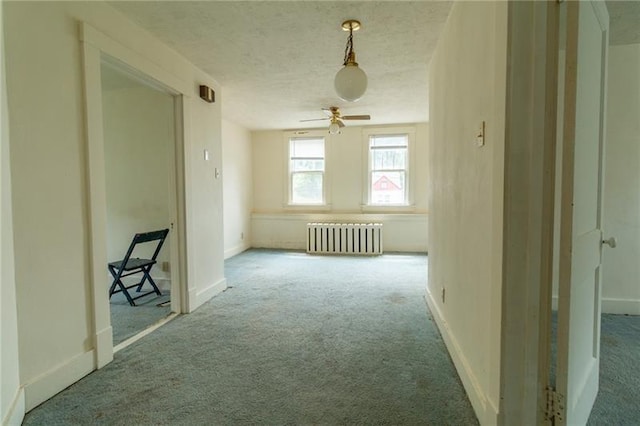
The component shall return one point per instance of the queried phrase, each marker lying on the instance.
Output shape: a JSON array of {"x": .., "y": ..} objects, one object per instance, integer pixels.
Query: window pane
[
  {"x": 388, "y": 188},
  {"x": 389, "y": 140},
  {"x": 307, "y": 148},
  {"x": 306, "y": 187},
  {"x": 389, "y": 159},
  {"x": 307, "y": 165}
]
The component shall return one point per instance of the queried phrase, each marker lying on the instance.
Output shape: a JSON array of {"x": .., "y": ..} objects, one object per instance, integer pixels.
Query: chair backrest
[{"x": 146, "y": 237}]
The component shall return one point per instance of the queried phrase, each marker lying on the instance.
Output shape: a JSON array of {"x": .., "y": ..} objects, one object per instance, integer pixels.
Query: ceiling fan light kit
[
  {"x": 351, "y": 81},
  {"x": 334, "y": 128},
  {"x": 335, "y": 116}
]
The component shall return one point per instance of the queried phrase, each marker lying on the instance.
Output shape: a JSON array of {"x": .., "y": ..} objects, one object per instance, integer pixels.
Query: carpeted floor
[
  {"x": 618, "y": 402},
  {"x": 127, "y": 320},
  {"x": 296, "y": 339}
]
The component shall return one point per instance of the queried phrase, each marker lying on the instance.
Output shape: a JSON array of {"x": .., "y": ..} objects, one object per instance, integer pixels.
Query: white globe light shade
[
  {"x": 334, "y": 129},
  {"x": 350, "y": 83}
]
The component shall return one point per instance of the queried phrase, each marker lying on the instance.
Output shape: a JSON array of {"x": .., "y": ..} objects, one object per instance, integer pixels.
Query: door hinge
[{"x": 555, "y": 405}]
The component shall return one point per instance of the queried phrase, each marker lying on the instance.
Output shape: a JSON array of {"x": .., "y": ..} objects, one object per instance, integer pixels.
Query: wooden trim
[
  {"x": 57, "y": 379},
  {"x": 95, "y": 48},
  {"x": 97, "y": 201},
  {"x": 528, "y": 209}
]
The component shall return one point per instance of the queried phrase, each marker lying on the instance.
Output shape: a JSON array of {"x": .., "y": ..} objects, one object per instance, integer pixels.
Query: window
[
  {"x": 388, "y": 169},
  {"x": 306, "y": 170}
]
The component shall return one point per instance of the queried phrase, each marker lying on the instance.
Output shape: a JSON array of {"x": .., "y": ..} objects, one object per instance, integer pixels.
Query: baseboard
[
  {"x": 281, "y": 245},
  {"x": 405, "y": 248},
  {"x": 163, "y": 283},
  {"x": 104, "y": 347},
  {"x": 486, "y": 412},
  {"x": 611, "y": 305},
  {"x": 57, "y": 379},
  {"x": 205, "y": 295},
  {"x": 15, "y": 415},
  {"x": 236, "y": 250},
  {"x": 191, "y": 301},
  {"x": 620, "y": 306}
]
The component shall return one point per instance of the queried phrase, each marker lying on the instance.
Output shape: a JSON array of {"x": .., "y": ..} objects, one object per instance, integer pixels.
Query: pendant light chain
[
  {"x": 351, "y": 81},
  {"x": 349, "y": 48}
]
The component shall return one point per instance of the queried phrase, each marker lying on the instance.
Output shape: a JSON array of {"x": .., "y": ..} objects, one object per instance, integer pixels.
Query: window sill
[
  {"x": 307, "y": 207},
  {"x": 373, "y": 208}
]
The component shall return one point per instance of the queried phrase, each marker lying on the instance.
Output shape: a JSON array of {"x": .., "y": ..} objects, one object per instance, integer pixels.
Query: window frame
[
  {"x": 367, "y": 134},
  {"x": 288, "y": 182}
]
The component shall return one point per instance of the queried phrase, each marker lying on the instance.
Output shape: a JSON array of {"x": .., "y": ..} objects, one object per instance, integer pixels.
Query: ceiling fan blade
[
  {"x": 356, "y": 117},
  {"x": 328, "y": 112},
  {"x": 316, "y": 119},
  {"x": 340, "y": 123}
]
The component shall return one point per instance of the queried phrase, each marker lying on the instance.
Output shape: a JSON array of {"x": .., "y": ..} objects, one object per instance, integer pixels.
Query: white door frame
[
  {"x": 530, "y": 174},
  {"x": 95, "y": 47},
  {"x": 530, "y": 146}
]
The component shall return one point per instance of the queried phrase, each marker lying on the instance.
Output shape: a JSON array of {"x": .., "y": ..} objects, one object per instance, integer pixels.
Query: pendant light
[{"x": 350, "y": 81}]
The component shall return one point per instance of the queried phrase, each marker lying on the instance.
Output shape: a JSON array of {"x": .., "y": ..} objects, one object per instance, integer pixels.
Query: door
[{"x": 580, "y": 254}]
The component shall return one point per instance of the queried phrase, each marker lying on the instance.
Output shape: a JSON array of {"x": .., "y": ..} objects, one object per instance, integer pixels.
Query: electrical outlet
[
  {"x": 442, "y": 294},
  {"x": 166, "y": 266}
]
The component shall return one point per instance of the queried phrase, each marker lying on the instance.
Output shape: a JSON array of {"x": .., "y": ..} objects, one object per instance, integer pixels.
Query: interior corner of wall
[
  {"x": 16, "y": 411},
  {"x": 230, "y": 252}
]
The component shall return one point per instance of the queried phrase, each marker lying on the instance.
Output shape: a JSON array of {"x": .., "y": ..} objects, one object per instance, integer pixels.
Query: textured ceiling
[{"x": 276, "y": 60}]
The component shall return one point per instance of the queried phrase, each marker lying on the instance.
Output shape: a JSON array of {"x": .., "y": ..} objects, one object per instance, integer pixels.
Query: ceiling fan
[{"x": 336, "y": 118}]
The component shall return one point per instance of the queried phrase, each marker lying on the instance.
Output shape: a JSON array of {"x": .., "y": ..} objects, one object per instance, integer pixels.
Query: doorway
[
  {"x": 139, "y": 140},
  {"x": 98, "y": 49},
  {"x": 620, "y": 340},
  {"x": 601, "y": 329}
]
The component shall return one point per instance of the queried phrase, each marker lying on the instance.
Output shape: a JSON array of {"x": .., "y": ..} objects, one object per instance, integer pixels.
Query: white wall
[
  {"x": 237, "y": 187},
  {"x": 50, "y": 191},
  {"x": 139, "y": 133},
  {"x": 401, "y": 232},
  {"x": 276, "y": 225},
  {"x": 621, "y": 266},
  {"x": 11, "y": 395},
  {"x": 467, "y": 86}
]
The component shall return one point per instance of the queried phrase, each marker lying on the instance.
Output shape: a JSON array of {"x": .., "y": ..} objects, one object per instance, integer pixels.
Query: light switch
[
  {"x": 206, "y": 155},
  {"x": 217, "y": 173}
]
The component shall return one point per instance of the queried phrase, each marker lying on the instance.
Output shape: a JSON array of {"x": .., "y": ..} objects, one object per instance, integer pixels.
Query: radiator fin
[{"x": 344, "y": 238}]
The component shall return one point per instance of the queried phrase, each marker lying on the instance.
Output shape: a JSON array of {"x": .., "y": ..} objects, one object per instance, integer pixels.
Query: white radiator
[{"x": 344, "y": 238}]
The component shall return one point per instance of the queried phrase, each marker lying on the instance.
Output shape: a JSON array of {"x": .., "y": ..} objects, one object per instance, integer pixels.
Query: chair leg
[
  {"x": 118, "y": 282},
  {"x": 147, "y": 277},
  {"x": 123, "y": 289},
  {"x": 116, "y": 277}
]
